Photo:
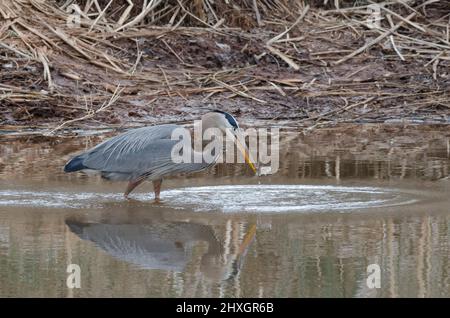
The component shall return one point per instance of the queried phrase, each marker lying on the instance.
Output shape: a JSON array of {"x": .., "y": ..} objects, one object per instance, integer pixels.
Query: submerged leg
[
  {"x": 131, "y": 185},
  {"x": 157, "y": 189}
]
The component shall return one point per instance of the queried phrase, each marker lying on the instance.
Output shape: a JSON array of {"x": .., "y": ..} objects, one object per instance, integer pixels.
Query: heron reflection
[{"x": 167, "y": 246}]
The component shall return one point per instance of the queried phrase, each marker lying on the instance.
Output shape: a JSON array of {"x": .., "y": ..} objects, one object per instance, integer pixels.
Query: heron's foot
[
  {"x": 158, "y": 201},
  {"x": 157, "y": 190},
  {"x": 131, "y": 200},
  {"x": 131, "y": 185}
]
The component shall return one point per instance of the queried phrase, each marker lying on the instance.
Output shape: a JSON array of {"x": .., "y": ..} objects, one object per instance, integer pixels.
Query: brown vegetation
[{"x": 136, "y": 61}]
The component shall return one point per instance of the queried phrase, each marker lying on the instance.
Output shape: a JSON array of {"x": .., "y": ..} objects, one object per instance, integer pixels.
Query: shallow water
[
  {"x": 343, "y": 199},
  {"x": 260, "y": 198}
]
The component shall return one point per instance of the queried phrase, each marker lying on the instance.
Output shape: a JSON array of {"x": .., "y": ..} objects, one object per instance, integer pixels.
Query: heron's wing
[
  {"x": 132, "y": 150},
  {"x": 144, "y": 151}
]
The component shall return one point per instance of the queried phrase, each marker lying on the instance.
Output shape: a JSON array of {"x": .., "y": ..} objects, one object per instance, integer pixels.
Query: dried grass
[{"x": 36, "y": 33}]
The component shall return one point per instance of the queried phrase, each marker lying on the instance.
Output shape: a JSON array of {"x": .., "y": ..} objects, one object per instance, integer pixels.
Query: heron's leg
[
  {"x": 131, "y": 185},
  {"x": 157, "y": 188}
]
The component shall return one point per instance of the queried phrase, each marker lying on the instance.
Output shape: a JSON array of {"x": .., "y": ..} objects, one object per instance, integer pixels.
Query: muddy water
[{"x": 343, "y": 199}]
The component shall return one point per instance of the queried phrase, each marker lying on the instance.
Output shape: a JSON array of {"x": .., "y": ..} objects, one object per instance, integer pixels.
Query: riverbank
[{"x": 309, "y": 65}]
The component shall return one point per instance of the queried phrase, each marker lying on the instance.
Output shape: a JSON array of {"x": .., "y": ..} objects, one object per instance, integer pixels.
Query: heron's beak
[{"x": 240, "y": 142}]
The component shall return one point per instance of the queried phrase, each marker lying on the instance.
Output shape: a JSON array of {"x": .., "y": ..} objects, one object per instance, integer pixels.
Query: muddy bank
[{"x": 160, "y": 71}]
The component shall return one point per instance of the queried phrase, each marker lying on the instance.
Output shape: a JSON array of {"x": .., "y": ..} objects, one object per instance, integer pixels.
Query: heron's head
[{"x": 229, "y": 125}]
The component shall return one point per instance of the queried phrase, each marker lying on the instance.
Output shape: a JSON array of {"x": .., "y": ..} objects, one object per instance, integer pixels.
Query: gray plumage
[
  {"x": 146, "y": 154},
  {"x": 142, "y": 152}
]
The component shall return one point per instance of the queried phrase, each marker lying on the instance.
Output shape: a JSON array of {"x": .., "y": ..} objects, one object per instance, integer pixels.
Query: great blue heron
[{"x": 146, "y": 153}]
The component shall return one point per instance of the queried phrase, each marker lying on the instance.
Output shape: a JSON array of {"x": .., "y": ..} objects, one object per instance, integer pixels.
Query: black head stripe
[{"x": 230, "y": 118}]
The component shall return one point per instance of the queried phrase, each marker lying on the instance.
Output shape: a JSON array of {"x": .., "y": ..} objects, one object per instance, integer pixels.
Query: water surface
[{"x": 343, "y": 198}]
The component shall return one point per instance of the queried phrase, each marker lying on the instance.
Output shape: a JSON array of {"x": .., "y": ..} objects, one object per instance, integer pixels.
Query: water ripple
[{"x": 231, "y": 199}]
